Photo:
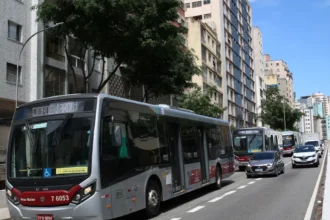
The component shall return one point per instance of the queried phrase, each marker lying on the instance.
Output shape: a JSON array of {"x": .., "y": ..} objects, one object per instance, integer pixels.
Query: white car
[
  {"x": 305, "y": 155},
  {"x": 317, "y": 146}
]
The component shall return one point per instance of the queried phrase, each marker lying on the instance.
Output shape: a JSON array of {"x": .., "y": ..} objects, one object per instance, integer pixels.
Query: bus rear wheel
[
  {"x": 153, "y": 199},
  {"x": 218, "y": 179}
]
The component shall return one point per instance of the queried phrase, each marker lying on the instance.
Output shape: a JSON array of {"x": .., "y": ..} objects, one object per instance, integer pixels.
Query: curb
[
  {"x": 326, "y": 199},
  {"x": 309, "y": 211}
]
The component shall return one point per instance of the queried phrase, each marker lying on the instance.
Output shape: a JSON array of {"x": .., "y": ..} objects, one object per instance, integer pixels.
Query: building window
[
  {"x": 12, "y": 73},
  {"x": 207, "y": 16},
  {"x": 206, "y": 2},
  {"x": 14, "y": 31},
  {"x": 196, "y": 4},
  {"x": 187, "y": 5}
]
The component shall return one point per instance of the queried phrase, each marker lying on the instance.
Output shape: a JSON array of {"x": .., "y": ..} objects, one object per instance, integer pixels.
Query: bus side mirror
[{"x": 117, "y": 136}]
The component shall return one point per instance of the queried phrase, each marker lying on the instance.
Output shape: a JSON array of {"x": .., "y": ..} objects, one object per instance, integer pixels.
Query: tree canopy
[
  {"x": 200, "y": 103},
  {"x": 272, "y": 111},
  {"x": 139, "y": 35}
]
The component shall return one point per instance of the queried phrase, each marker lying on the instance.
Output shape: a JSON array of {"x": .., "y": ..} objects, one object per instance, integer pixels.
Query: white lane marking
[
  {"x": 218, "y": 198},
  {"x": 175, "y": 218},
  {"x": 251, "y": 182},
  {"x": 241, "y": 187},
  {"x": 196, "y": 209},
  {"x": 259, "y": 179},
  {"x": 309, "y": 211},
  {"x": 287, "y": 163},
  {"x": 2, "y": 190}
]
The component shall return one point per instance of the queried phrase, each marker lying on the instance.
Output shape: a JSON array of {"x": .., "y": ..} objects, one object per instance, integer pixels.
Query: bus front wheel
[{"x": 153, "y": 199}]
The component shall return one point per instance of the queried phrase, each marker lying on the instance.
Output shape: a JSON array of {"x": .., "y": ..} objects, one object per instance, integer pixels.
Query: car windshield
[
  {"x": 288, "y": 140},
  {"x": 302, "y": 149},
  {"x": 51, "y": 148},
  {"x": 263, "y": 156},
  {"x": 248, "y": 143},
  {"x": 314, "y": 143}
]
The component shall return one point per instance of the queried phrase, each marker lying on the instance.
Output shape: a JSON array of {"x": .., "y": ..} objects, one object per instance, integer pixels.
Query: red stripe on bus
[
  {"x": 46, "y": 198},
  {"x": 195, "y": 176}
]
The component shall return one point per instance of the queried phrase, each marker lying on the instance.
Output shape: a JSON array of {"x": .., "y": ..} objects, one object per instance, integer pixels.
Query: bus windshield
[
  {"x": 248, "y": 143},
  {"x": 288, "y": 140},
  {"x": 53, "y": 148}
]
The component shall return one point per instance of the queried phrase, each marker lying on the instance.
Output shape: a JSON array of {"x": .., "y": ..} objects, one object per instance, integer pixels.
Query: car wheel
[
  {"x": 248, "y": 176},
  {"x": 276, "y": 172},
  {"x": 153, "y": 199},
  {"x": 218, "y": 179},
  {"x": 241, "y": 168}
]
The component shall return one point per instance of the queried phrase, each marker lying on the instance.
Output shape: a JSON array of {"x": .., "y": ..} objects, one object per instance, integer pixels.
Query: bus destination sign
[
  {"x": 58, "y": 108},
  {"x": 249, "y": 132}
]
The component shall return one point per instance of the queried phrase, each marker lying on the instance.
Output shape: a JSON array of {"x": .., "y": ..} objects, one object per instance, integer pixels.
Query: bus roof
[{"x": 165, "y": 110}]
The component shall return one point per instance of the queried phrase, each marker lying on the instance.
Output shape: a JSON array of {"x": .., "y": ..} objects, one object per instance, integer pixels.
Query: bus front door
[
  {"x": 176, "y": 157},
  {"x": 203, "y": 153}
]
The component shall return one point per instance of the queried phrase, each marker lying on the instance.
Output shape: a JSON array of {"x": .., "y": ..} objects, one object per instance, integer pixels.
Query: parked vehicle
[
  {"x": 265, "y": 163},
  {"x": 305, "y": 155}
]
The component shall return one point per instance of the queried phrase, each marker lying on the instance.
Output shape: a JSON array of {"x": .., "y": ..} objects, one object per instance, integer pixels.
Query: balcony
[{"x": 55, "y": 51}]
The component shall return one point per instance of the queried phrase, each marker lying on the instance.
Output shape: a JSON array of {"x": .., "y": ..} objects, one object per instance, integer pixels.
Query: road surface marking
[
  {"x": 251, "y": 182},
  {"x": 287, "y": 163},
  {"x": 216, "y": 199},
  {"x": 2, "y": 190},
  {"x": 175, "y": 218},
  {"x": 259, "y": 179},
  {"x": 309, "y": 211},
  {"x": 241, "y": 187},
  {"x": 196, "y": 209}
]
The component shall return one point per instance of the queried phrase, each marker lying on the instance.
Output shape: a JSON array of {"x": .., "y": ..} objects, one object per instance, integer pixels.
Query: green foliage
[
  {"x": 136, "y": 33},
  {"x": 272, "y": 111},
  {"x": 200, "y": 104}
]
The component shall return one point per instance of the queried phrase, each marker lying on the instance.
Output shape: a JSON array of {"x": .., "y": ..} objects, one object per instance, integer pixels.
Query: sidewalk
[
  {"x": 326, "y": 197},
  {"x": 4, "y": 214}
]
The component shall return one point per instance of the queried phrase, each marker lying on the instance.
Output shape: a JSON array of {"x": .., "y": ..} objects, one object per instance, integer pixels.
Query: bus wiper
[
  {"x": 57, "y": 135},
  {"x": 29, "y": 133},
  {"x": 252, "y": 139}
]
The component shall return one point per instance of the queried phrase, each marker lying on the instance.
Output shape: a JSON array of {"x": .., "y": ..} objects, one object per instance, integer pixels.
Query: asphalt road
[{"x": 285, "y": 197}]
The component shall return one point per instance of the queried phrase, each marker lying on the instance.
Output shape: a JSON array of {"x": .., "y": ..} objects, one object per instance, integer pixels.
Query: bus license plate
[
  {"x": 45, "y": 217},
  {"x": 258, "y": 170}
]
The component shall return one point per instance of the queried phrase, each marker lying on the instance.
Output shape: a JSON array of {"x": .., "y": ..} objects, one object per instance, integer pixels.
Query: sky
[{"x": 298, "y": 32}]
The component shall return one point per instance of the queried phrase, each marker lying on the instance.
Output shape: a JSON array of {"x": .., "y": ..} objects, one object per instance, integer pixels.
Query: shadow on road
[{"x": 181, "y": 200}]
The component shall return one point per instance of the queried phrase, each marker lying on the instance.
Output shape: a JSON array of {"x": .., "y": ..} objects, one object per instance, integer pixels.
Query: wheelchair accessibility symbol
[{"x": 47, "y": 172}]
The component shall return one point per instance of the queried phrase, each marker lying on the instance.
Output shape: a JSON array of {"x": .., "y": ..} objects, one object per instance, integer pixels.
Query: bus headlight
[
  {"x": 12, "y": 197},
  {"x": 84, "y": 194}
]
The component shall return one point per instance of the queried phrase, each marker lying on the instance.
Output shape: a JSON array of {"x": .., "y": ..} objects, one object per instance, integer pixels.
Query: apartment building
[
  {"x": 319, "y": 98},
  {"x": 280, "y": 68},
  {"x": 203, "y": 40},
  {"x": 259, "y": 70},
  {"x": 318, "y": 110},
  {"x": 271, "y": 79},
  {"x": 327, "y": 119},
  {"x": 233, "y": 23},
  {"x": 307, "y": 120}
]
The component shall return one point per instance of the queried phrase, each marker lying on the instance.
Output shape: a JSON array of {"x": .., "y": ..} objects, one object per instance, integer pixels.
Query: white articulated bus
[{"x": 94, "y": 156}]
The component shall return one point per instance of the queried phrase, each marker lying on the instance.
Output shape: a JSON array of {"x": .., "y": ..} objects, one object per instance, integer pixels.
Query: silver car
[{"x": 265, "y": 163}]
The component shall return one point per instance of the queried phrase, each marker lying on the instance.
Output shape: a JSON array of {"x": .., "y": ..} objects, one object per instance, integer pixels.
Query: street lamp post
[{"x": 20, "y": 53}]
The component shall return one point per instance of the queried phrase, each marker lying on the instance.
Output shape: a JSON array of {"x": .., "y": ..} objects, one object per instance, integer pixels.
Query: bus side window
[{"x": 163, "y": 145}]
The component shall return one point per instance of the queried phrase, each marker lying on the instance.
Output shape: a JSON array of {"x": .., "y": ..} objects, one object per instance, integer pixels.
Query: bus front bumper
[
  {"x": 288, "y": 152},
  {"x": 88, "y": 210}
]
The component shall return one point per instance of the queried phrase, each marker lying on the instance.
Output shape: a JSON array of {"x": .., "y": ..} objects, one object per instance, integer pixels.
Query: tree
[
  {"x": 138, "y": 35},
  {"x": 272, "y": 111},
  {"x": 200, "y": 103}
]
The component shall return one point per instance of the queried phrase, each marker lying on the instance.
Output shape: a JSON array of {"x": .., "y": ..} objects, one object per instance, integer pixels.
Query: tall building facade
[
  {"x": 307, "y": 120},
  {"x": 203, "y": 39},
  {"x": 327, "y": 119},
  {"x": 319, "y": 98},
  {"x": 285, "y": 77},
  {"x": 233, "y": 22},
  {"x": 259, "y": 70},
  {"x": 318, "y": 109}
]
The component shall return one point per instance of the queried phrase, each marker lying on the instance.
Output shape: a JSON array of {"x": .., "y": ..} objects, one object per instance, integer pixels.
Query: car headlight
[
  {"x": 269, "y": 165},
  {"x": 314, "y": 155},
  {"x": 248, "y": 165}
]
